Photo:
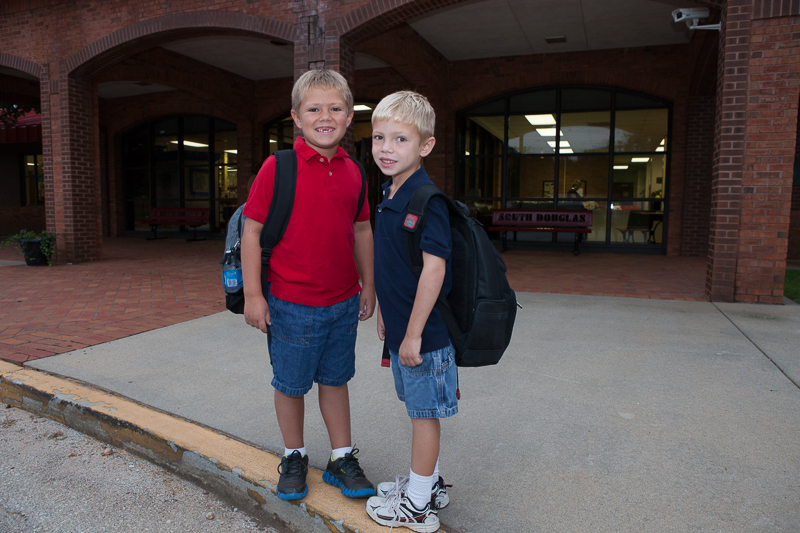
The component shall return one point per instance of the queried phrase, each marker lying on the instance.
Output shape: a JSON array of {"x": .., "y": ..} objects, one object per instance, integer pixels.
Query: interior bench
[
  {"x": 192, "y": 217},
  {"x": 577, "y": 221}
]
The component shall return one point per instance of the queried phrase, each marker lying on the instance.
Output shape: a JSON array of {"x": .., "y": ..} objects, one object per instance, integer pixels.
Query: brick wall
[
  {"x": 773, "y": 91},
  {"x": 794, "y": 225}
]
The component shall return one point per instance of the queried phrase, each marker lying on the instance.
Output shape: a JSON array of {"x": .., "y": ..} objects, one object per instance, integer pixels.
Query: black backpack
[
  {"x": 481, "y": 307},
  {"x": 280, "y": 210}
]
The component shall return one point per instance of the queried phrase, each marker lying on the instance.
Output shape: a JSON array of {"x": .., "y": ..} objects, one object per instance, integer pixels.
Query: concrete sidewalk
[{"x": 605, "y": 414}]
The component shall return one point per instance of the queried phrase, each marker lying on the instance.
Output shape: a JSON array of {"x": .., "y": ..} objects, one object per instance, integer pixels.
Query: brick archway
[
  {"x": 75, "y": 132},
  {"x": 25, "y": 65},
  {"x": 145, "y": 34}
]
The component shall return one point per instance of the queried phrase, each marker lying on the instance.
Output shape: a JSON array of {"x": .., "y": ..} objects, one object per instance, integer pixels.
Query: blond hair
[
  {"x": 407, "y": 107},
  {"x": 320, "y": 79}
]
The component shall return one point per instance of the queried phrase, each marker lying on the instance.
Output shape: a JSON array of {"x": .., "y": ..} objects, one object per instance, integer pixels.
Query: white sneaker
[
  {"x": 398, "y": 511},
  {"x": 438, "y": 491}
]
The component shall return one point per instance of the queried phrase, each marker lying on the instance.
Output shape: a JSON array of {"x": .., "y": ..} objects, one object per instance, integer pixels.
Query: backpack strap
[
  {"x": 280, "y": 209},
  {"x": 363, "y": 195},
  {"x": 413, "y": 224}
]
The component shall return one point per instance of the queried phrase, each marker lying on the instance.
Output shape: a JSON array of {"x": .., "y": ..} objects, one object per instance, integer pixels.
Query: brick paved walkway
[{"x": 143, "y": 285}]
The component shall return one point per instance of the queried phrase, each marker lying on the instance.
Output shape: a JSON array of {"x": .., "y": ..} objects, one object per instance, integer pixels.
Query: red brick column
[
  {"x": 757, "y": 99},
  {"x": 726, "y": 187},
  {"x": 319, "y": 45},
  {"x": 72, "y": 147},
  {"x": 769, "y": 159}
]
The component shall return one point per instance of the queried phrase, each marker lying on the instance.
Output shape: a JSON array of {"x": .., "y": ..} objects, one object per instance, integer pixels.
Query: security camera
[
  {"x": 692, "y": 16},
  {"x": 688, "y": 13}
]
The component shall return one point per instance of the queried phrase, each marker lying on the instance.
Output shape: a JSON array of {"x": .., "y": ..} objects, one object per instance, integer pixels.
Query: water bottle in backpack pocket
[{"x": 231, "y": 263}]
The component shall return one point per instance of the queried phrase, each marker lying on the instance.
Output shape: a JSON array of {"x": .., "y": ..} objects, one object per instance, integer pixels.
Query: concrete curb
[{"x": 244, "y": 475}]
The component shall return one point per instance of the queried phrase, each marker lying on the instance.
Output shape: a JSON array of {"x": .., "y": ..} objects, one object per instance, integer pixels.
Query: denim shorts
[
  {"x": 310, "y": 345},
  {"x": 428, "y": 390}
]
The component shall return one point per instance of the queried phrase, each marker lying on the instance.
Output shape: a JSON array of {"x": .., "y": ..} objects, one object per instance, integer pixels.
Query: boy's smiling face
[
  {"x": 398, "y": 149},
  {"x": 323, "y": 117}
]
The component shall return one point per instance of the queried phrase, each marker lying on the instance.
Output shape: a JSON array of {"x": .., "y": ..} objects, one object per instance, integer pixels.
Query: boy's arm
[
  {"x": 364, "y": 256},
  {"x": 428, "y": 289},
  {"x": 256, "y": 309},
  {"x": 381, "y": 327}
]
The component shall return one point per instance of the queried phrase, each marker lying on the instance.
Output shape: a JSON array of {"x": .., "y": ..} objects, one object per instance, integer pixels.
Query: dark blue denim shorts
[
  {"x": 310, "y": 345},
  {"x": 428, "y": 390}
]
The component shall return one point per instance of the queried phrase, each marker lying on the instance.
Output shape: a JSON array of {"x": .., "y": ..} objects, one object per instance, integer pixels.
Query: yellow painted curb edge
[{"x": 244, "y": 475}]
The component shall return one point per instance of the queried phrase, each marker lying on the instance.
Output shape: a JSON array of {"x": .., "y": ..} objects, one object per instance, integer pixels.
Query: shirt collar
[
  {"x": 399, "y": 201},
  {"x": 306, "y": 152}
]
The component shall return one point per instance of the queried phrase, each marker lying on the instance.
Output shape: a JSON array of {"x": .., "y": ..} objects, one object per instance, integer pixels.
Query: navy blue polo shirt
[{"x": 395, "y": 283}]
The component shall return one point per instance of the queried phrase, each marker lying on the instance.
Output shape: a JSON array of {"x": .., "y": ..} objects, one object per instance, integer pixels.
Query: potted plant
[{"x": 37, "y": 247}]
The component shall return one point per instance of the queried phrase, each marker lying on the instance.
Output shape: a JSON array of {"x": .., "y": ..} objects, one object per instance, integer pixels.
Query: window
[
  {"x": 181, "y": 161},
  {"x": 536, "y": 148},
  {"x": 32, "y": 179}
]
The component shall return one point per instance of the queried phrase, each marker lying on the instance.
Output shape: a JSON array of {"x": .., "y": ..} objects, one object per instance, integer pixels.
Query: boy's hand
[
  {"x": 366, "y": 303},
  {"x": 381, "y": 327},
  {"x": 256, "y": 313},
  {"x": 409, "y": 351}
]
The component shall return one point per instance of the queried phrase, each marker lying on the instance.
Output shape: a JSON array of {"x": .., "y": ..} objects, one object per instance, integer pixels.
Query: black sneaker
[
  {"x": 346, "y": 474},
  {"x": 292, "y": 483}
]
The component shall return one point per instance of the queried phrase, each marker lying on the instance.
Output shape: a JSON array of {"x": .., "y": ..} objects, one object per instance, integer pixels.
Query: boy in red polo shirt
[{"x": 313, "y": 307}]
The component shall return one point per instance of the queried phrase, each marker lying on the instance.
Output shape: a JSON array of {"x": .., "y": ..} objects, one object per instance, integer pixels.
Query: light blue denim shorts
[
  {"x": 428, "y": 390},
  {"x": 310, "y": 345}
]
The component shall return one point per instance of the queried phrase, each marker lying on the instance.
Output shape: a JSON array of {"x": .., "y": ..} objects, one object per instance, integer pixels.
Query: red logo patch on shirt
[{"x": 411, "y": 221}]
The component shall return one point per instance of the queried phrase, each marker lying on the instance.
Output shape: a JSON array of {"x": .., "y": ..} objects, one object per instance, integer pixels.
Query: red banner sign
[{"x": 563, "y": 218}]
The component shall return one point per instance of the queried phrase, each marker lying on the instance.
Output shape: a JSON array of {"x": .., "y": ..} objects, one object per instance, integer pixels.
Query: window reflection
[
  {"x": 638, "y": 176},
  {"x": 481, "y": 177},
  {"x": 280, "y": 136},
  {"x": 531, "y": 134},
  {"x": 643, "y": 130},
  {"x": 484, "y": 136},
  {"x": 530, "y": 177},
  {"x": 637, "y": 223},
  {"x": 585, "y": 132},
  {"x": 591, "y": 173},
  {"x": 33, "y": 178}
]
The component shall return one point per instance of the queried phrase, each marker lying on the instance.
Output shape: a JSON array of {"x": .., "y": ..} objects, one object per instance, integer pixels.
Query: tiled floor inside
[{"x": 142, "y": 285}]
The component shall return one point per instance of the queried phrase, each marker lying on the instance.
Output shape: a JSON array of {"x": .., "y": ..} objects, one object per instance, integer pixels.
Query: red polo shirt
[{"x": 313, "y": 264}]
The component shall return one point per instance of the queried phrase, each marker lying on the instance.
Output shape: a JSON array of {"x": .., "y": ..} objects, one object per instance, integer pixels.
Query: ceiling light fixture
[
  {"x": 556, "y": 39},
  {"x": 361, "y": 107},
  {"x": 564, "y": 144},
  {"x": 548, "y": 132},
  {"x": 640, "y": 159},
  {"x": 620, "y": 167},
  {"x": 541, "y": 120},
  {"x": 192, "y": 144}
]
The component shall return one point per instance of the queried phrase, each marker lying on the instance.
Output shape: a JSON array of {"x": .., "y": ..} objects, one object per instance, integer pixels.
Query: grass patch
[{"x": 791, "y": 287}]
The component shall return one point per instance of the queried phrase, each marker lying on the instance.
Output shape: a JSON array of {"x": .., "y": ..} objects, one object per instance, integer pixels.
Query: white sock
[
  {"x": 419, "y": 489},
  {"x": 338, "y": 453},
  {"x": 435, "y": 472},
  {"x": 290, "y": 451}
]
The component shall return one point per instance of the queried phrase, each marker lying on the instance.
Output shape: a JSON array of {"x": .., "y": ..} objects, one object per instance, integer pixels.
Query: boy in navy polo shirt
[
  {"x": 313, "y": 308},
  {"x": 422, "y": 354}
]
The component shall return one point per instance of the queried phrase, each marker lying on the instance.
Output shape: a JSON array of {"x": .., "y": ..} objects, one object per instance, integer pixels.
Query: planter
[{"x": 31, "y": 250}]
